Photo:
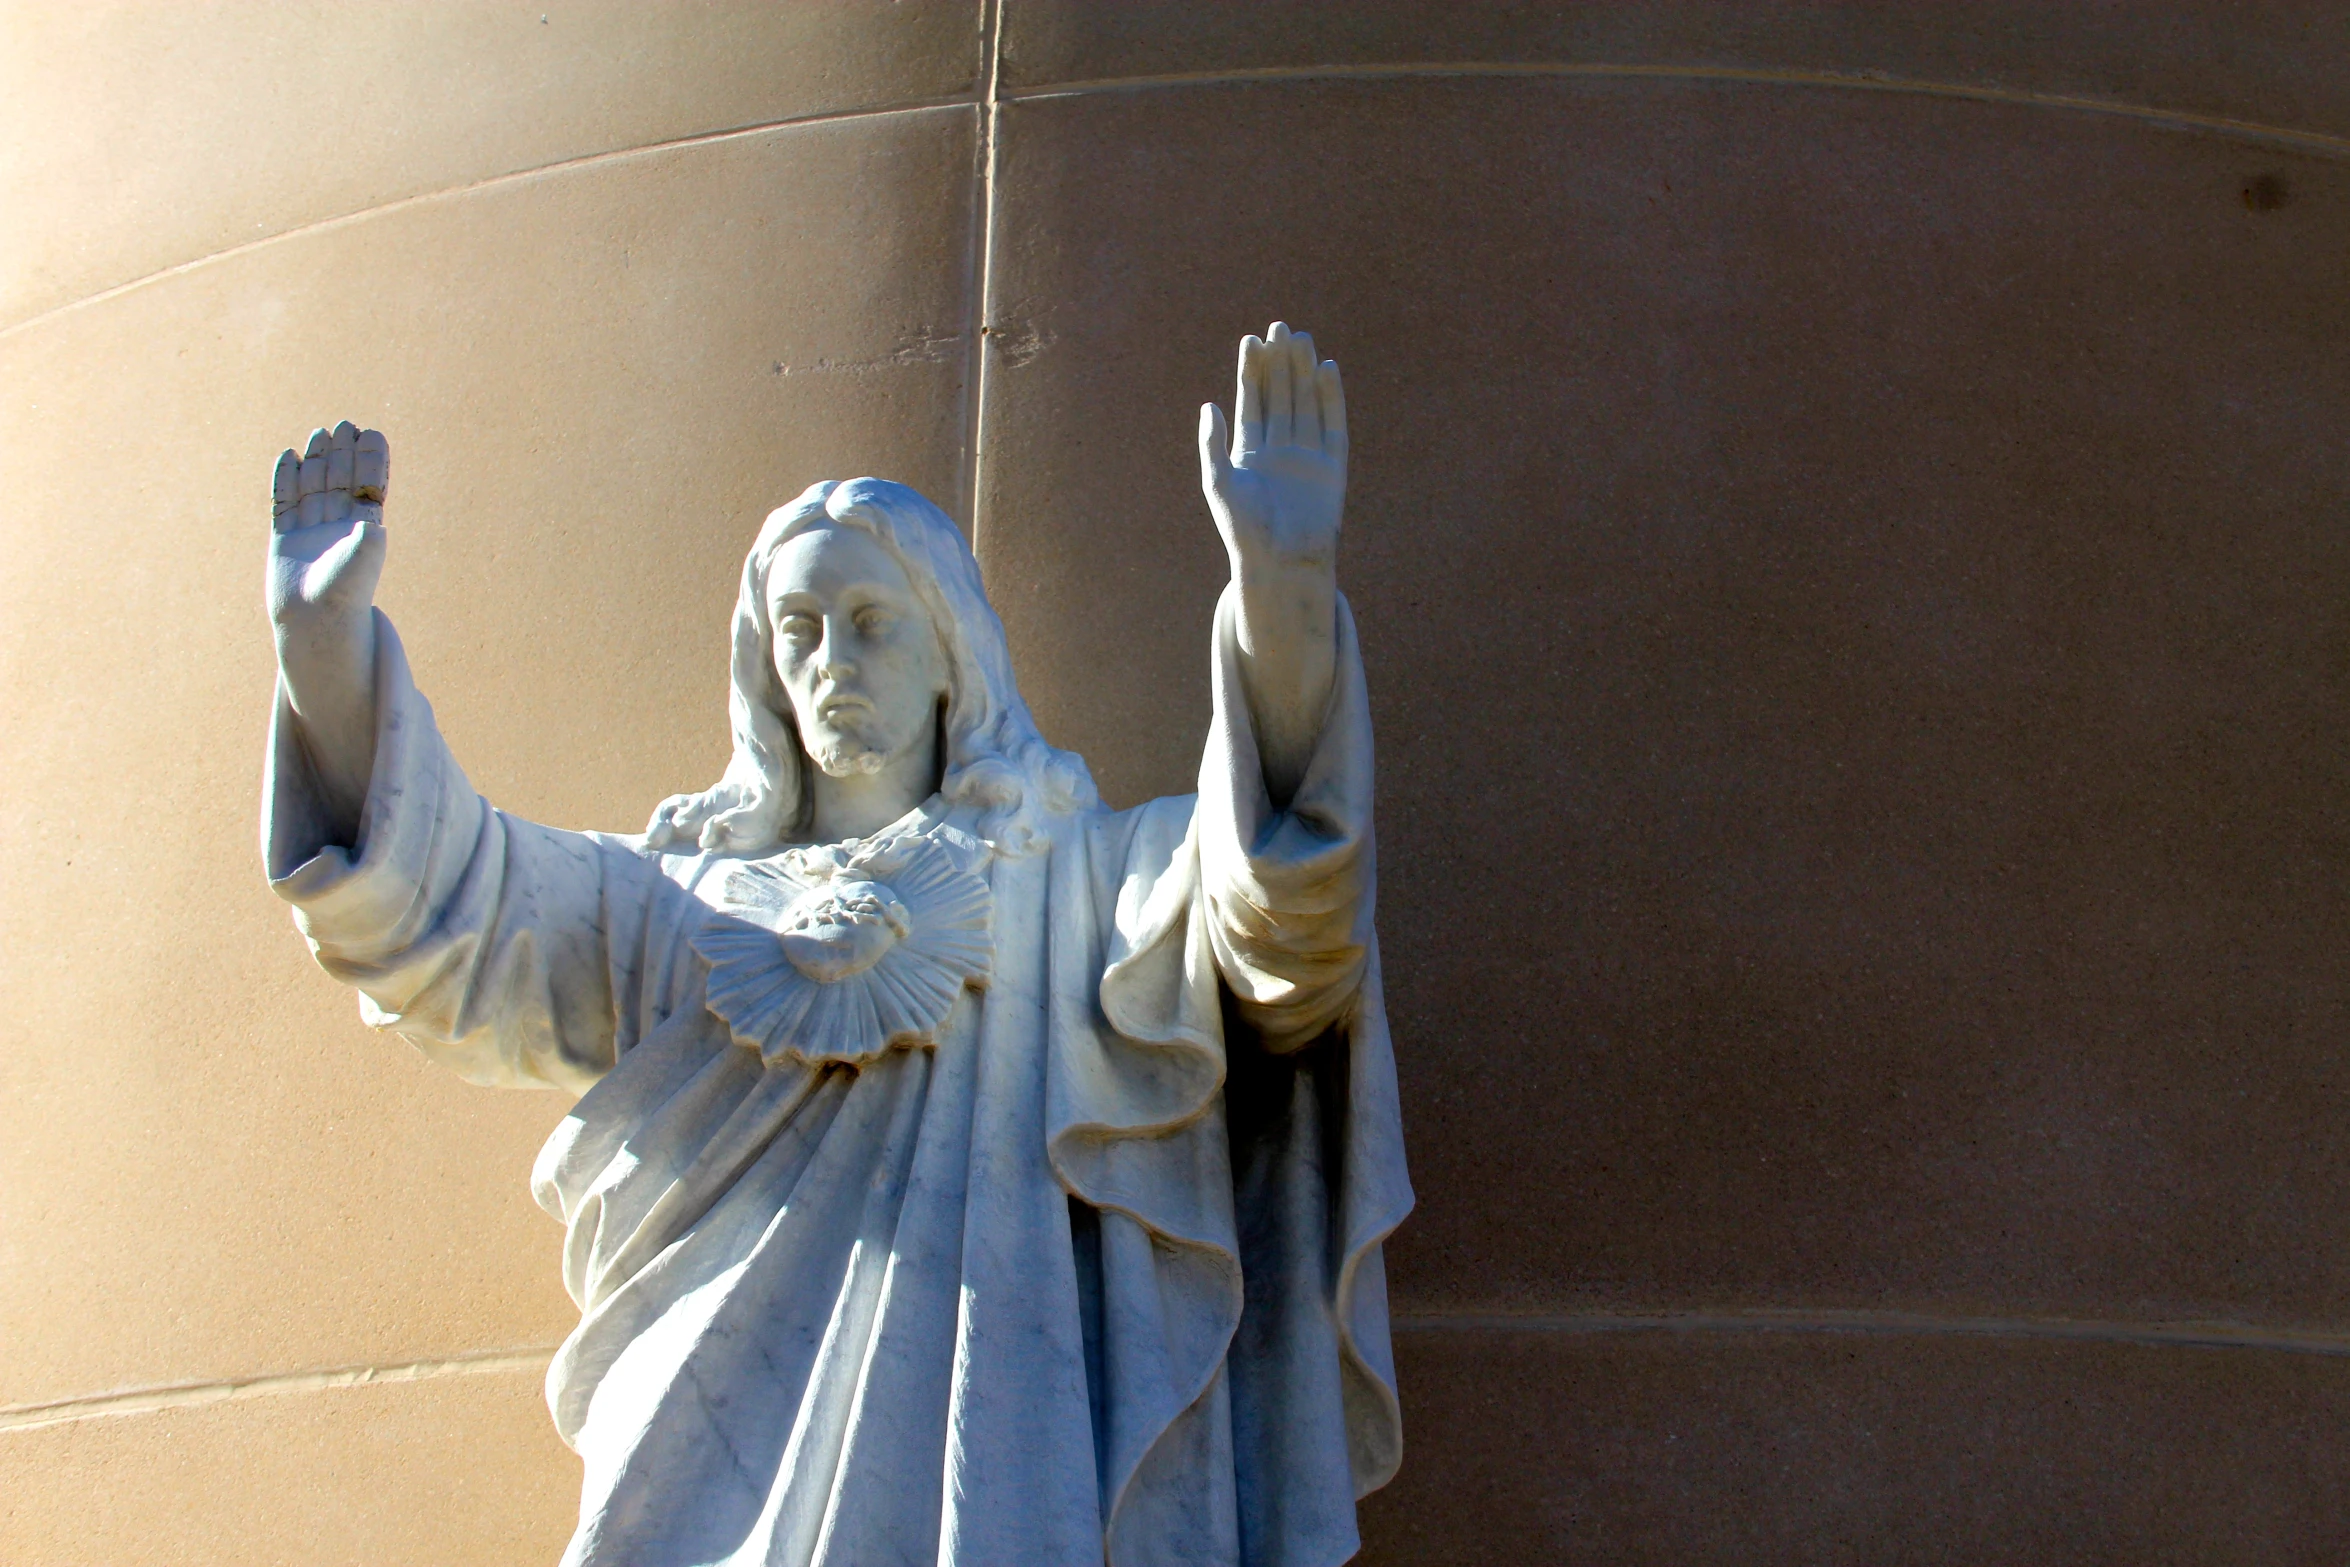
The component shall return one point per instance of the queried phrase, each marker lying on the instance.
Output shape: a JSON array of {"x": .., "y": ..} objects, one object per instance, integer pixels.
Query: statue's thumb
[
  {"x": 1215, "y": 449},
  {"x": 357, "y": 562}
]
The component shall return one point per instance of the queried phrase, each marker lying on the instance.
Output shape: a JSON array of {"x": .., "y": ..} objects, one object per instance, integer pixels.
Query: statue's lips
[{"x": 846, "y": 702}]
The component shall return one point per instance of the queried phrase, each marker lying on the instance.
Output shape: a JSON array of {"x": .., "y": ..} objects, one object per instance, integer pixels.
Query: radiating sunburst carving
[{"x": 843, "y": 952}]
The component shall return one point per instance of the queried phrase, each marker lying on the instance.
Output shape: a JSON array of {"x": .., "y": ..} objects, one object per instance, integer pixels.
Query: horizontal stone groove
[
  {"x": 1886, "y": 1324},
  {"x": 191, "y": 1395},
  {"x": 490, "y": 182},
  {"x": 1890, "y": 1324},
  {"x": 2317, "y": 143}
]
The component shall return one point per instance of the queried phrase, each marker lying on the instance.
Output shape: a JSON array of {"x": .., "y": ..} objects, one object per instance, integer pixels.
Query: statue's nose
[{"x": 833, "y": 657}]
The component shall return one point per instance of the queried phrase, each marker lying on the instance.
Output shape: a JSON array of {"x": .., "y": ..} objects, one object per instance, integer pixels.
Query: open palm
[
  {"x": 326, "y": 544},
  {"x": 1277, "y": 485}
]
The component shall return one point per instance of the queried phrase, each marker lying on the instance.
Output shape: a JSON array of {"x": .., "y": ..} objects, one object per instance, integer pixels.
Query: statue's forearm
[
  {"x": 1288, "y": 634},
  {"x": 326, "y": 552},
  {"x": 1275, "y": 482},
  {"x": 329, "y": 675}
]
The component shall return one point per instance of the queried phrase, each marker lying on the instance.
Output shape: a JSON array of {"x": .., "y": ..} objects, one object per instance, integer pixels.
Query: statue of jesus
[{"x": 962, "y": 1172}]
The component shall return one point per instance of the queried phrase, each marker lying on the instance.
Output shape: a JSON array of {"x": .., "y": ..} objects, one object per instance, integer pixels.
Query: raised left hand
[{"x": 1277, "y": 486}]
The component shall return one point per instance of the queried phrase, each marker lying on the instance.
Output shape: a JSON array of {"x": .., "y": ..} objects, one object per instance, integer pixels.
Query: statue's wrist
[
  {"x": 1268, "y": 566},
  {"x": 329, "y": 671}
]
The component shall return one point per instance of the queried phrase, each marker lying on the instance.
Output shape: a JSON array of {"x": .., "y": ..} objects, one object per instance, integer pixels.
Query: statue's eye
[
  {"x": 799, "y": 628},
  {"x": 872, "y": 622}
]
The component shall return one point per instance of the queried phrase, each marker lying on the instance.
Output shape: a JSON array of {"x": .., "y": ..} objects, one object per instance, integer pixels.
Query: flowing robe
[{"x": 1095, "y": 1275}]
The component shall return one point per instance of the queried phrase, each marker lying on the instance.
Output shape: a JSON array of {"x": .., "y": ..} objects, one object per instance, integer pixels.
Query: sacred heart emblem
[
  {"x": 844, "y": 929},
  {"x": 842, "y": 952}
]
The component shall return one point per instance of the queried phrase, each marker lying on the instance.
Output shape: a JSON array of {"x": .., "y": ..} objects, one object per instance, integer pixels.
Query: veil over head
[{"x": 993, "y": 757}]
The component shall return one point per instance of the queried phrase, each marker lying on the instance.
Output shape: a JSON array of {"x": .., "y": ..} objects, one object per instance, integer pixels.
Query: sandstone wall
[{"x": 1848, "y": 531}]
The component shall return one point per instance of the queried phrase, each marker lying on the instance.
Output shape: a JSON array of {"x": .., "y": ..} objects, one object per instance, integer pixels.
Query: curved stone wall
[{"x": 1848, "y": 533}]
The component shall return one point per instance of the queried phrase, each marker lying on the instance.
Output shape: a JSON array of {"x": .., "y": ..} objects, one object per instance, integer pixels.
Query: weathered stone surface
[
  {"x": 1766, "y": 1448},
  {"x": 1923, "y": 516},
  {"x": 1860, "y": 576},
  {"x": 413, "y": 1474},
  {"x": 157, "y": 133},
  {"x": 216, "y": 1171}
]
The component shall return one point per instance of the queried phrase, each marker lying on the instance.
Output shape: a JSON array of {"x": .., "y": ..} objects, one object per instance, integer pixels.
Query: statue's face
[{"x": 854, "y": 649}]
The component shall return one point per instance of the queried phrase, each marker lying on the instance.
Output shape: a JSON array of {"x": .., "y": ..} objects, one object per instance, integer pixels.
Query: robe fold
[{"x": 1092, "y": 1274}]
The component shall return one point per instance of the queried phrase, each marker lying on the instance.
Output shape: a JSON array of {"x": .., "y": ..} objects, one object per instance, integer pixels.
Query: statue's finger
[
  {"x": 338, "y": 456},
  {"x": 314, "y": 464},
  {"x": 1306, "y": 406},
  {"x": 1330, "y": 397},
  {"x": 1279, "y": 391},
  {"x": 285, "y": 490},
  {"x": 1248, "y": 401},
  {"x": 339, "y": 442},
  {"x": 371, "y": 466}
]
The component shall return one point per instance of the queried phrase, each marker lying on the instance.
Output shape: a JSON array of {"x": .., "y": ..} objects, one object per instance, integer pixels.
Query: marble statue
[{"x": 962, "y": 1172}]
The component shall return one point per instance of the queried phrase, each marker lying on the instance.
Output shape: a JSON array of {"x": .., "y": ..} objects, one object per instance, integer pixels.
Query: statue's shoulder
[
  {"x": 697, "y": 875},
  {"x": 1152, "y": 831}
]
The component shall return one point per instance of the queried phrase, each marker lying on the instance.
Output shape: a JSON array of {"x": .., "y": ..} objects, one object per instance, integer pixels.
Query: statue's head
[{"x": 870, "y": 564}]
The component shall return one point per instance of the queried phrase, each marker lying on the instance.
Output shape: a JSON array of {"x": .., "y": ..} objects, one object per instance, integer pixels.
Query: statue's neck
[{"x": 861, "y": 804}]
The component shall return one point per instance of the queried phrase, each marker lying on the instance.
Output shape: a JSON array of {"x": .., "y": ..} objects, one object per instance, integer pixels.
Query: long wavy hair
[{"x": 993, "y": 756}]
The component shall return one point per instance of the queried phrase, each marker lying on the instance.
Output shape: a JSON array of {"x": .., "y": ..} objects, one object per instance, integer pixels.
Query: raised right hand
[{"x": 326, "y": 553}]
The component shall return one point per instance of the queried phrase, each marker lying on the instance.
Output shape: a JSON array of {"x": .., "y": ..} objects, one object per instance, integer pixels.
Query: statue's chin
[{"x": 849, "y": 761}]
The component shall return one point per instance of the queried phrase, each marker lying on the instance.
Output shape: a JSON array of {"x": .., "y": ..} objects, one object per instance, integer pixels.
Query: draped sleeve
[
  {"x": 1317, "y": 1141},
  {"x": 512, "y": 953},
  {"x": 1290, "y": 892},
  {"x": 1233, "y": 1115}
]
